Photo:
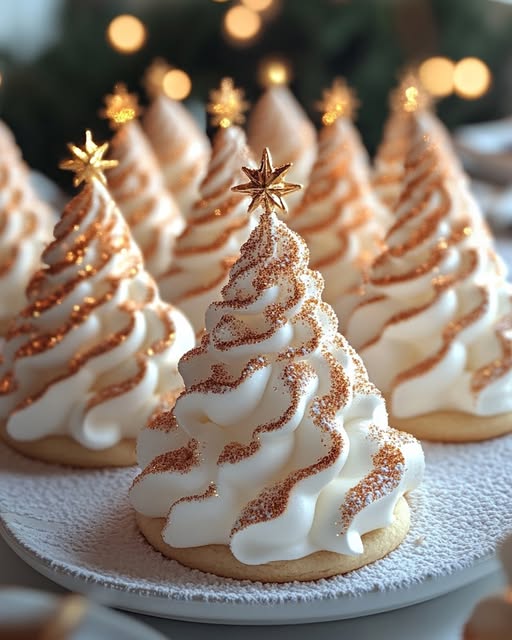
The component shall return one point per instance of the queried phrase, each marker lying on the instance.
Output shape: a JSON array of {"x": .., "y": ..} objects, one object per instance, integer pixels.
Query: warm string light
[
  {"x": 274, "y": 72},
  {"x": 337, "y": 101},
  {"x": 126, "y": 34},
  {"x": 153, "y": 80},
  {"x": 177, "y": 84},
  {"x": 471, "y": 78},
  {"x": 241, "y": 23},
  {"x": 258, "y": 5},
  {"x": 160, "y": 78},
  {"x": 120, "y": 106},
  {"x": 227, "y": 105},
  {"x": 436, "y": 75}
]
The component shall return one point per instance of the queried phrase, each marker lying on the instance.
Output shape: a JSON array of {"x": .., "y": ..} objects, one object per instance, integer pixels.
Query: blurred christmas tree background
[{"x": 52, "y": 97}]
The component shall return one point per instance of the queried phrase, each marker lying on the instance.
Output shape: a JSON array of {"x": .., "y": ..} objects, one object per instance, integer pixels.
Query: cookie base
[
  {"x": 66, "y": 451},
  {"x": 454, "y": 426},
  {"x": 219, "y": 560}
]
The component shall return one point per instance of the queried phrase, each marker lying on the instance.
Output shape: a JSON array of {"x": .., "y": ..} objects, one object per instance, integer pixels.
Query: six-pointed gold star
[
  {"x": 337, "y": 101},
  {"x": 87, "y": 162},
  {"x": 120, "y": 106},
  {"x": 266, "y": 185},
  {"x": 410, "y": 95}
]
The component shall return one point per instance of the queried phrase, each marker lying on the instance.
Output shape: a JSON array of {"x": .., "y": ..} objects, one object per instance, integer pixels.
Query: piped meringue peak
[
  {"x": 434, "y": 324},
  {"x": 266, "y": 185},
  {"x": 216, "y": 227},
  {"x": 94, "y": 352},
  {"x": 279, "y": 441}
]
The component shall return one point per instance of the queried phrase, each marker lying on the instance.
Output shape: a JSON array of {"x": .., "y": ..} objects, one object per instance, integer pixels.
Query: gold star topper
[
  {"x": 266, "y": 185},
  {"x": 338, "y": 101},
  {"x": 120, "y": 106},
  {"x": 87, "y": 162},
  {"x": 154, "y": 75},
  {"x": 227, "y": 105},
  {"x": 410, "y": 95}
]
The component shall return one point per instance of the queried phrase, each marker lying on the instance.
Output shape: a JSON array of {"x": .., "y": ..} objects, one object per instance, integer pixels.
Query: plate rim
[{"x": 237, "y": 613}]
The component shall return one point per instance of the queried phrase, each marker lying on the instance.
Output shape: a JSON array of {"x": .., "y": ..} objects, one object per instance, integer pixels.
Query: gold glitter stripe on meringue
[
  {"x": 386, "y": 475},
  {"x": 204, "y": 212},
  {"x": 295, "y": 377},
  {"x": 449, "y": 334},
  {"x": 181, "y": 460},
  {"x": 163, "y": 421},
  {"x": 119, "y": 388},
  {"x": 499, "y": 367},
  {"x": 219, "y": 380},
  {"x": 211, "y": 492},
  {"x": 168, "y": 330},
  {"x": 216, "y": 243},
  {"x": 80, "y": 360},
  {"x": 272, "y": 501}
]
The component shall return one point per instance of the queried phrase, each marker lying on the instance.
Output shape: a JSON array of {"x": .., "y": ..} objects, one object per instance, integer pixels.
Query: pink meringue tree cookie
[
  {"x": 434, "y": 324},
  {"x": 137, "y": 185},
  {"x": 339, "y": 216},
  {"x": 94, "y": 352},
  {"x": 277, "y": 120},
  {"x": 279, "y": 442},
  {"x": 26, "y": 224},
  {"x": 218, "y": 224},
  {"x": 181, "y": 147}
]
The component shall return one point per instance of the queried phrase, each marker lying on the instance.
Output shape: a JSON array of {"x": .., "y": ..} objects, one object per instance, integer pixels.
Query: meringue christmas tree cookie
[
  {"x": 137, "y": 185},
  {"x": 278, "y": 121},
  {"x": 218, "y": 224},
  {"x": 94, "y": 353},
  {"x": 339, "y": 216},
  {"x": 434, "y": 325},
  {"x": 182, "y": 149},
  {"x": 25, "y": 228},
  {"x": 279, "y": 442}
]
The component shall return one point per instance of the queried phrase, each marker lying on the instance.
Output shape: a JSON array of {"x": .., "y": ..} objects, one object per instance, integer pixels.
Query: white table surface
[{"x": 438, "y": 619}]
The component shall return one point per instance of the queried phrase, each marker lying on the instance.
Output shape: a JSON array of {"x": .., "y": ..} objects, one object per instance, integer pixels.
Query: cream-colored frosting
[
  {"x": 434, "y": 327},
  {"x": 339, "y": 216},
  {"x": 137, "y": 186},
  {"x": 279, "y": 446},
  {"x": 216, "y": 228},
  {"x": 94, "y": 353},
  {"x": 182, "y": 149},
  {"x": 25, "y": 228},
  {"x": 277, "y": 121}
]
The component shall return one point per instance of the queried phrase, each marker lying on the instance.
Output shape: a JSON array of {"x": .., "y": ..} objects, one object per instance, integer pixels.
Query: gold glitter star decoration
[
  {"x": 120, "y": 106},
  {"x": 154, "y": 75},
  {"x": 87, "y": 163},
  {"x": 227, "y": 105},
  {"x": 337, "y": 101},
  {"x": 266, "y": 185},
  {"x": 410, "y": 95}
]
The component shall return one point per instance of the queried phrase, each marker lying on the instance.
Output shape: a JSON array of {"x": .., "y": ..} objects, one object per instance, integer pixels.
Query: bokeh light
[
  {"x": 471, "y": 78},
  {"x": 242, "y": 23},
  {"x": 258, "y": 5},
  {"x": 177, "y": 84},
  {"x": 126, "y": 34},
  {"x": 274, "y": 72},
  {"x": 436, "y": 75}
]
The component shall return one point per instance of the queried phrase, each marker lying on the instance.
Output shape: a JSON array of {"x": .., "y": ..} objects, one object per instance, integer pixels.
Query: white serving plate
[{"x": 77, "y": 528}]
